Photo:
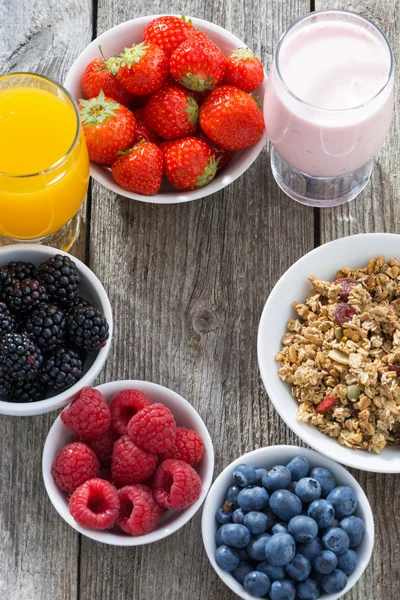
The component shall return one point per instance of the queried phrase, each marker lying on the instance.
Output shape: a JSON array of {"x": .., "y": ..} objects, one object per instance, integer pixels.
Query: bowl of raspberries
[
  {"x": 128, "y": 463},
  {"x": 55, "y": 328},
  {"x": 286, "y": 523},
  {"x": 170, "y": 107}
]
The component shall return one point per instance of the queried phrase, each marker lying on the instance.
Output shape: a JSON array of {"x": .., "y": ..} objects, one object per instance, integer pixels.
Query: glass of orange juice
[{"x": 44, "y": 164}]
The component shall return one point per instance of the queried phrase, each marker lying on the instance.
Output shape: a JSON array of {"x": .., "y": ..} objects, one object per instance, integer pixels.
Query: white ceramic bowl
[
  {"x": 268, "y": 458},
  {"x": 185, "y": 416},
  {"x": 91, "y": 289},
  {"x": 126, "y": 34},
  {"x": 323, "y": 262}
]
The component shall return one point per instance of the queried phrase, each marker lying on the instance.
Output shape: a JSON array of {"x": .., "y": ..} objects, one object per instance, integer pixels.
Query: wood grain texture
[
  {"x": 187, "y": 284},
  {"x": 376, "y": 209},
  {"x": 38, "y": 552}
]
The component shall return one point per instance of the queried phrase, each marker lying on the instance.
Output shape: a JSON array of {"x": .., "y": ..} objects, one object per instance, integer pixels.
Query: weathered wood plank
[
  {"x": 39, "y": 552},
  {"x": 187, "y": 284},
  {"x": 376, "y": 209}
]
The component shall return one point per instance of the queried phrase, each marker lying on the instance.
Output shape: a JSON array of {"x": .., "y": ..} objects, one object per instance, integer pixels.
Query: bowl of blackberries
[
  {"x": 286, "y": 523},
  {"x": 55, "y": 328}
]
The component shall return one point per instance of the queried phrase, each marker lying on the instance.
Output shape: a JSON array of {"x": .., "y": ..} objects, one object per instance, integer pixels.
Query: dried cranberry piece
[
  {"x": 346, "y": 285},
  {"x": 395, "y": 368},
  {"x": 343, "y": 313},
  {"x": 327, "y": 404}
]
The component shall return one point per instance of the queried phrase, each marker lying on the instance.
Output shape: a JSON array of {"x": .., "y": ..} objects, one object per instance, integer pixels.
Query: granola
[{"x": 342, "y": 353}]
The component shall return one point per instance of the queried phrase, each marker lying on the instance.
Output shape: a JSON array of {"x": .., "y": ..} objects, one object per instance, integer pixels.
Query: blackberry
[
  {"x": 77, "y": 302},
  {"x": 20, "y": 358},
  {"x": 60, "y": 277},
  {"x": 22, "y": 296},
  {"x": 87, "y": 328},
  {"x": 63, "y": 369},
  {"x": 46, "y": 325},
  {"x": 26, "y": 391},
  {"x": 7, "y": 320},
  {"x": 22, "y": 270}
]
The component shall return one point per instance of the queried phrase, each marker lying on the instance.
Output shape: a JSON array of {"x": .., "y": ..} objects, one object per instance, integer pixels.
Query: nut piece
[{"x": 339, "y": 356}]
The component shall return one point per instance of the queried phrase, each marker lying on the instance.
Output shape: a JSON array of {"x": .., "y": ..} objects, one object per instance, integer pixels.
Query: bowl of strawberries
[
  {"x": 169, "y": 108},
  {"x": 128, "y": 463}
]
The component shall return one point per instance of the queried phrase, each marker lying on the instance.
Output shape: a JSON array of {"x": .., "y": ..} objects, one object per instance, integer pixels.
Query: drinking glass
[{"x": 44, "y": 164}]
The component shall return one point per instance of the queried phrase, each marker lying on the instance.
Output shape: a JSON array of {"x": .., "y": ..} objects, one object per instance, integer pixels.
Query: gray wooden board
[{"x": 187, "y": 284}]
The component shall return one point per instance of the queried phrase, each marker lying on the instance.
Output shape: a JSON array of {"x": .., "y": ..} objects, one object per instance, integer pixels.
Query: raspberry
[
  {"x": 188, "y": 446},
  {"x": 131, "y": 464},
  {"x": 176, "y": 484},
  {"x": 153, "y": 428},
  {"x": 73, "y": 465},
  {"x": 102, "y": 446},
  {"x": 124, "y": 406},
  {"x": 95, "y": 504},
  {"x": 139, "y": 513},
  {"x": 88, "y": 414}
]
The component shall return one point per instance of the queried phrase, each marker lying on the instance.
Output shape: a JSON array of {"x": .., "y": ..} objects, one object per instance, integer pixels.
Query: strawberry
[
  {"x": 231, "y": 118},
  {"x": 198, "y": 64},
  {"x": 108, "y": 128},
  {"x": 243, "y": 70},
  {"x": 189, "y": 163},
  {"x": 143, "y": 131},
  {"x": 140, "y": 169},
  {"x": 172, "y": 112},
  {"x": 143, "y": 69},
  {"x": 224, "y": 156},
  {"x": 100, "y": 74},
  {"x": 168, "y": 32}
]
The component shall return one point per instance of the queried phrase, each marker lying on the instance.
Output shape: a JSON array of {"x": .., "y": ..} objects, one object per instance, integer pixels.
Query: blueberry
[
  {"x": 253, "y": 498},
  {"x": 238, "y": 516},
  {"x": 260, "y": 475},
  {"x": 244, "y": 475},
  {"x": 256, "y": 548},
  {"x": 308, "y": 490},
  {"x": 272, "y": 571},
  {"x": 325, "y": 563},
  {"x": 256, "y": 522},
  {"x": 277, "y": 478},
  {"x": 311, "y": 549},
  {"x": 237, "y": 536},
  {"x": 344, "y": 501},
  {"x": 322, "y": 512},
  {"x": 299, "y": 467},
  {"x": 308, "y": 590},
  {"x": 285, "y": 504},
  {"x": 335, "y": 523},
  {"x": 283, "y": 589},
  {"x": 335, "y": 539},
  {"x": 272, "y": 518},
  {"x": 257, "y": 584},
  {"x": 355, "y": 529},
  {"x": 218, "y": 538},
  {"x": 280, "y": 528},
  {"x": 299, "y": 568},
  {"x": 348, "y": 562},
  {"x": 232, "y": 494},
  {"x": 303, "y": 529},
  {"x": 292, "y": 486},
  {"x": 325, "y": 479},
  {"x": 241, "y": 571},
  {"x": 243, "y": 554},
  {"x": 222, "y": 516},
  {"x": 280, "y": 549},
  {"x": 226, "y": 558},
  {"x": 335, "y": 582}
]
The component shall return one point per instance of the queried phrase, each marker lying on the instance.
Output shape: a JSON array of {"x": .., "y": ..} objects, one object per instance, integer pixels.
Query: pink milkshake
[{"x": 328, "y": 104}]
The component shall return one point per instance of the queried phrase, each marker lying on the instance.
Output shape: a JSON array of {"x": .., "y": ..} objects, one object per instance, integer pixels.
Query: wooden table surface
[{"x": 187, "y": 284}]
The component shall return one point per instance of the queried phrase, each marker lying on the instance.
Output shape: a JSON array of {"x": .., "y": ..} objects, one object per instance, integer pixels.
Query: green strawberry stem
[
  {"x": 242, "y": 54},
  {"x": 208, "y": 173},
  {"x": 197, "y": 84},
  {"x": 112, "y": 63},
  {"x": 192, "y": 110},
  {"x": 133, "y": 55},
  {"x": 97, "y": 110}
]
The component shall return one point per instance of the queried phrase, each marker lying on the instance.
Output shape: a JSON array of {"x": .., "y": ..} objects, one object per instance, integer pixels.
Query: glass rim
[
  {"x": 333, "y": 11},
  {"x": 77, "y": 133}
]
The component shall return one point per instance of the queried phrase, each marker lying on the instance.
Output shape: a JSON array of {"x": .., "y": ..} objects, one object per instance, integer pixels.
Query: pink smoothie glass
[{"x": 328, "y": 106}]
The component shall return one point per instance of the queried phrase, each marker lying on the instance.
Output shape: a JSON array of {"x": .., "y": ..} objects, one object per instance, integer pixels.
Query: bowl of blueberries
[
  {"x": 286, "y": 523},
  {"x": 55, "y": 328}
]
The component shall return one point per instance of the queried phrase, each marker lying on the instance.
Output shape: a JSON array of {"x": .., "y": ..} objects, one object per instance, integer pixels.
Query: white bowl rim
[
  {"x": 122, "y": 539},
  {"x": 50, "y": 404},
  {"x": 357, "y": 459},
  {"x": 208, "y": 532},
  {"x": 220, "y": 182}
]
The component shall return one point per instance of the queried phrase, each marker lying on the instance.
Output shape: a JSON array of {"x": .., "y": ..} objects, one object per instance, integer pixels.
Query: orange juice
[{"x": 44, "y": 165}]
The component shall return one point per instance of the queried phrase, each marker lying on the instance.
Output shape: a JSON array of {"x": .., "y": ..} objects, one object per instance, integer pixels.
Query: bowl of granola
[{"x": 329, "y": 350}]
